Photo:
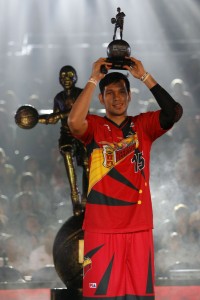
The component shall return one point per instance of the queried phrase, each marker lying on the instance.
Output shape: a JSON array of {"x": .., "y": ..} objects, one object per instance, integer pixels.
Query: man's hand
[
  {"x": 136, "y": 69},
  {"x": 96, "y": 69}
]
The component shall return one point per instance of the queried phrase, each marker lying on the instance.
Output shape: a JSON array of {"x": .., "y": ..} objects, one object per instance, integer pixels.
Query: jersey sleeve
[
  {"x": 88, "y": 135},
  {"x": 150, "y": 124}
]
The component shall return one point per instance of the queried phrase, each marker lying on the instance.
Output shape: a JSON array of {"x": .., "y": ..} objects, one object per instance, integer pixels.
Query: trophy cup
[{"x": 118, "y": 50}]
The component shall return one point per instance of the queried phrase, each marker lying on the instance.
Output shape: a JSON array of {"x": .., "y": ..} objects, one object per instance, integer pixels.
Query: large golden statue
[{"x": 27, "y": 117}]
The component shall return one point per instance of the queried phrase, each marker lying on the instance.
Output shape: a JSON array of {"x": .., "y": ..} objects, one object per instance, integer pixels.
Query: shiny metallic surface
[{"x": 26, "y": 116}]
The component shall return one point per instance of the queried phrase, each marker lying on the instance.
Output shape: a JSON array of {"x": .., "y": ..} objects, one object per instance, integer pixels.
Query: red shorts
[{"x": 118, "y": 265}]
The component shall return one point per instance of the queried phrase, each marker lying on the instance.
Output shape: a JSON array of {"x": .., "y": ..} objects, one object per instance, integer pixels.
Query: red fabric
[
  {"x": 119, "y": 195},
  {"x": 128, "y": 256}
]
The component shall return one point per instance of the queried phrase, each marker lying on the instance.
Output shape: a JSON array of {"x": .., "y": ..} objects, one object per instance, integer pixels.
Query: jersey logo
[
  {"x": 87, "y": 265},
  {"x": 106, "y": 125},
  {"x": 92, "y": 285},
  {"x": 114, "y": 152}
]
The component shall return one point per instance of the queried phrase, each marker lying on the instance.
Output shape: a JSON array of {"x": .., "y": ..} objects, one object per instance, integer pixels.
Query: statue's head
[
  {"x": 68, "y": 77},
  {"x": 118, "y": 9}
]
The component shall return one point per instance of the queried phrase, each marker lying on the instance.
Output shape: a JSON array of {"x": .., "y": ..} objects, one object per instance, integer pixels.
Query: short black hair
[{"x": 113, "y": 77}]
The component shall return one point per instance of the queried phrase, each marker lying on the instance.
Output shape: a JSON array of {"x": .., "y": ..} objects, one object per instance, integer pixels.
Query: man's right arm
[{"x": 77, "y": 119}]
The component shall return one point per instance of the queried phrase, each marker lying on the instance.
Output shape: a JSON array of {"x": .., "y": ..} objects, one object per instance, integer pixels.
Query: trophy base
[
  {"x": 118, "y": 48},
  {"x": 117, "y": 64},
  {"x": 118, "y": 52}
]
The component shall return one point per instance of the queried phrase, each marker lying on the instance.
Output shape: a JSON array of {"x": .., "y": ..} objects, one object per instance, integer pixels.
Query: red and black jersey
[{"x": 119, "y": 197}]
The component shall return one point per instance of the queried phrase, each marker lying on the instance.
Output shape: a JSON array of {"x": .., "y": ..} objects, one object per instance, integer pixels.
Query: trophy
[{"x": 118, "y": 50}]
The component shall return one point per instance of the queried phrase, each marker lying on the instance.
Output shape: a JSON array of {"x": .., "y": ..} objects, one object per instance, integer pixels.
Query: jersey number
[{"x": 138, "y": 161}]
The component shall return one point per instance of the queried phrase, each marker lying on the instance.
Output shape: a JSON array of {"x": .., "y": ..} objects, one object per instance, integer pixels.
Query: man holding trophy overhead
[{"x": 118, "y": 221}]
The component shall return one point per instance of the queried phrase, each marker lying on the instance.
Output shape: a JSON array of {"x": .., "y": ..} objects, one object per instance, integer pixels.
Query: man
[
  {"x": 69, "y": 146},
  {"x": 118, "y": 221}
]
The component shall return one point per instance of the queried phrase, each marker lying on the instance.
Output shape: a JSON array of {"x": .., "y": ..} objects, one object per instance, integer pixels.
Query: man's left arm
[{"x": 171, "y": 111}]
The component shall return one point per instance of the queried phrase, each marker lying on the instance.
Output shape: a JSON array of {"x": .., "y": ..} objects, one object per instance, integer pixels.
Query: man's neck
[{"x": 117, "y": 119}]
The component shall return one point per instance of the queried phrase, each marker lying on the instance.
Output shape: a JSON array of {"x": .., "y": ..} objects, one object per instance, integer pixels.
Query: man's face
[
  {"x": 116, "y": 99},
  {"x": 67, "y": 79}
]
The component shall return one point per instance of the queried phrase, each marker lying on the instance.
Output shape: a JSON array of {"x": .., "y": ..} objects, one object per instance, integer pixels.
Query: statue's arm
[{"x": 52, "y": 118}]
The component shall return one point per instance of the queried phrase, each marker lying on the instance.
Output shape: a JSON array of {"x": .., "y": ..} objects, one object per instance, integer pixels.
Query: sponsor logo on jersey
[
  {"x": 92, "y": 285},
  {"x": 112, "y": 153},
  {"x": 108, "y": 127}
]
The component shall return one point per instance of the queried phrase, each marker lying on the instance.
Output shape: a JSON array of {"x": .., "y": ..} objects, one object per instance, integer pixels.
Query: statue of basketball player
[
  {"x": 119, "y": 23},
  {"x": 69, "y": 146}
]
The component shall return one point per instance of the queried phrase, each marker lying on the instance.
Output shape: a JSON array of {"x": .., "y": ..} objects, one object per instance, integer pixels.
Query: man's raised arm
[{"x": 77, "y": 117}]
